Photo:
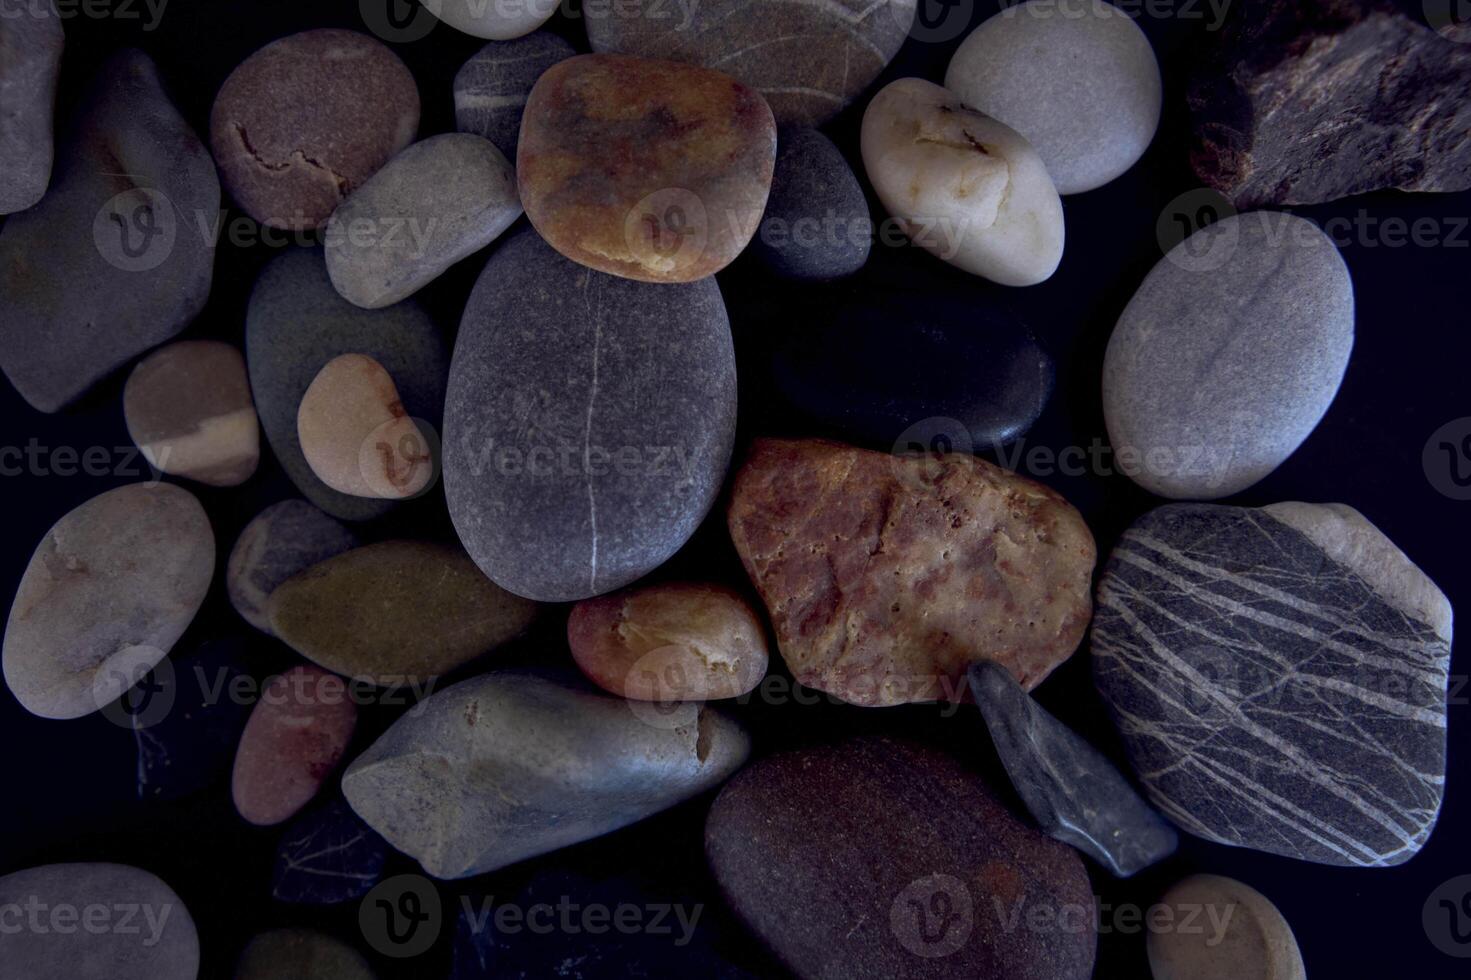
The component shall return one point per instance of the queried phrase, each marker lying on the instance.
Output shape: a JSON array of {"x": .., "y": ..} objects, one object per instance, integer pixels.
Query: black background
[{"x": 69, "y": 786}]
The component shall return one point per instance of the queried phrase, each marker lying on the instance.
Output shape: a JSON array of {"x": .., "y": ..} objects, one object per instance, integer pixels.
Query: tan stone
[
  {"x": 188, "y": 408},
  {"x": 1238, "y": 934}
]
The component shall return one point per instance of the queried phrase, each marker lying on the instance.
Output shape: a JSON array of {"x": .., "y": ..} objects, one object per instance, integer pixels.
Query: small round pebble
[
  {"x": 817, "y": 224},
  {"x": 491, "y": 88},
  {"x": 300, "y": 954},
  {"x": 1240, "y": 935},
  {"x": 280, "y": 541},
  {"x": 498, "y": 20}
]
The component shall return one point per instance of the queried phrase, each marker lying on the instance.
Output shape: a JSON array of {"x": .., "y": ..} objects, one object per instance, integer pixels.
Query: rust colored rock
[
  {"x": 645, "y": 169},
  {"x": 887, "y": 576},
  {"x": 680, "y": 641},
  {"x": 295, "y": 737}
]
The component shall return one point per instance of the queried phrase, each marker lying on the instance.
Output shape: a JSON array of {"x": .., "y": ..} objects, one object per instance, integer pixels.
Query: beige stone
[
  {"x": 1239, "y": 935},
  {"x": 356, "y": 436}
]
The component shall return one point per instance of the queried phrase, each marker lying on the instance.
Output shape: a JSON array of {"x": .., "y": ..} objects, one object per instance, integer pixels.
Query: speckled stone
[
  {"x": 499, "y": 20},
  {"x": 295, "y": 324},
  {"x": 809, "y": 60},
  {"x": 187, "y": 718},
  {"x": 108, "y": 266},
  {"x": 188, "y": 408},
  {"x": 1279, "y": 676},
  {"x": 507, "y": 766},
  {"x": 30, "y": 61},
  {"x": 1077, "y": 78},
  {"x": 306, "y": 120},
  {"x": 162, "y": 944},
  {"x": 108, "y": 591},
  {"x": 299, "y": 954},
  {"x": 646, "y": 169},
  {"x": 280, "y": 541},
  {"x": 327, "y": 856},
  {"x": 1228, "y": 355},
  {"x": 491, "y": 88},
  {"x": 396, "y": 612},
  {"x": 439, "y": 201},
  {"x": 1240, "y": 933},
  {"x": 817, "y": 225},
  {"x": 887, "y": 576},
  {"x": 582, "y": 448},
  {"x": 879, "y": 859}
]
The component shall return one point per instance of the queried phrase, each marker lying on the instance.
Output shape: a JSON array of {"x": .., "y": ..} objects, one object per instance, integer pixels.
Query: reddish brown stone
[{"x": 887, "y": 576}]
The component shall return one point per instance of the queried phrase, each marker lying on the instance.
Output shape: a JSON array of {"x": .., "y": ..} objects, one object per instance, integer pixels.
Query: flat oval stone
[
  {"x": 507, "y": 766},
  {"x": 1228, "y": 355},
  {"x": 306, "y": 120},
  {"x": 680, "y": 641},
  {"x": 1279, "y": 676},
  {"x": 878, "y": 364},
  {"x": 645, "y": 169},
  {"x": 286, "y": 954},
  {"x": 966, "y": 187},
  {"x": 159, "y": 942},
  {"x": 357, "y": 436},
  {"x": 188, "y": 408},
  {"x": 582, "y": 447},
  {"x": 122, "y": 218},
  {"x": 817, "y": 224},
  {"x": 887, "y": 576},
  {"x": 30, "y": 62},
  {"x": 1241, "y": 934},
  {"x": 295, "y": 737},
  {"x": 108, "y": 591},
  {"x": 327, "y": 856},
  {"x": 499, "y": 21},
  {"x": 1078, "y": 80},
  {"x": 295, "y": 324},
  {"x": 187, "y": 716},
  {"x": 280, "y": 541},
  {"x": 439, "y": 201},
  {"x": 396, "y": 612},
  {"x": 808, "y": 60},
  {"x": 878, "y": 859},
  {"x": 491, "y": 88}
]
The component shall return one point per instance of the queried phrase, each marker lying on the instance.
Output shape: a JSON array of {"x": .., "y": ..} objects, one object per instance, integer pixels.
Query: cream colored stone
[
  {"x": 1238, "y": 934},
  {"x": 356, "y": 436}
]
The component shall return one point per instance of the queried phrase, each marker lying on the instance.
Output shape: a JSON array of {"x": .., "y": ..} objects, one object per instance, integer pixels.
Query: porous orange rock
[{"x": 887, "y": 576}]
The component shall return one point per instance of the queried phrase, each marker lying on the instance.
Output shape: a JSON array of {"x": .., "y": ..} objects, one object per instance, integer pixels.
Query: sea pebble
[
  {"x": 1240, "y": 934},
  {"x": 645, "y": 169},
  {"x": 434, "y": 204},
  {"x": 396, "y": 612},
  {"x": 188, "y": 408},
  {"x": 964, "y": 186},
  {"x": 1078, "y": 79},
  {"x": 115, "y": 259},
  {"x": 357, "y": 436},
  {"x": 187, "y": 718},
  {"x": 285, "y": 538},
  {"x": 1228, "y": 355},
  {"x": 1279, "y": 676},
  {"x": 301, "y": 954},
  {"x": 108, "y": 591},
  {"x": 582, "y": 447},
  {"x": 817, "y": 224},
  {"x": 507, "y": 766},
  {"x": 498, "y": 20},
  {"x": 31, "y": 41},
  {"x": 887, "y": 576},
  {"x": 327, "y": 856},
  {"x": 491, "y": 88},
  {"x": 295, "y": 737},
  {"x": 306, "y": 120}
]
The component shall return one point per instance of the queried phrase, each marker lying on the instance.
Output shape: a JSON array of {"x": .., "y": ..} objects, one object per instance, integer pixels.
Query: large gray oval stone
[
  {"x": 31, "y": 40},
  {"x": 589, "y": 421},
  {"x": 1228, "y": 355}
]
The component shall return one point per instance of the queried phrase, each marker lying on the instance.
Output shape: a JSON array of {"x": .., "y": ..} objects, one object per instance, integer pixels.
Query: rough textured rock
[
  {"x": 327, "y": 856},
  {"x": 1073, "y": 792},
  {"x": 582, "y": 448},
  {"x": 491, "y": 88},
  {"x": 188, "y": 408},
  {"x": 507, "y": 766},
  {"x": 139, "y": 242},
  {"x": 108, "y": 591},
  {"x": 1079, "y": 80},
  {"x": 881, "y": 859},
  {"x": 162, "y": 943},
  {"x": 396, "y": 612},
  {"x": 1228, "y": 355},
  {"x": 1241, "y": 934},
  {"x": 1297, "y": 103},
  {"x": 1279, "y": 676},
  {"x": 295, "y": 324},
  {"x": 295, "y": 737},
  {"x": 887, "y": 576},
  {"x": 645, "y": 169},
  {"x": 356, "y": 434},
  {"x": 187, "y": 719},
  {"x": 965, "y": 187},
  {"x": 30, "y": 61},
  {"x": 817, "y": 224},
  {"x": 500, "y": 21},
  {"x": 439, "y": 201},
  {"x": 808, "y": 60},
  {"x": 679, "y": 641},
  {"x": 280, "y": 541},
  {"x": 288, "y": 954},
  {"x": 303, "y": 122}
]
